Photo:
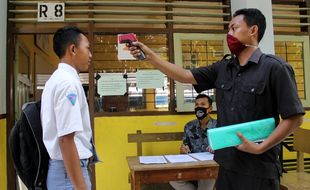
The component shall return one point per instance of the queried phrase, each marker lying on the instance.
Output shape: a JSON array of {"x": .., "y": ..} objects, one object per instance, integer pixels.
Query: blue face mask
[{"x": 201, "y": 113}]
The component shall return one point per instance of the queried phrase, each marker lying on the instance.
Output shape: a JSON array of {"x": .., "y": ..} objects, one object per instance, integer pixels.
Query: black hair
[
  {"x": 204, "y": 96},
  {"x": 253, "y": 17},
  {"x": 66, "y": 36}
]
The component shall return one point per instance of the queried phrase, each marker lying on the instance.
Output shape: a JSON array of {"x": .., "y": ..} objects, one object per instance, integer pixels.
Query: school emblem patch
[{"x": 72, "y": 98}]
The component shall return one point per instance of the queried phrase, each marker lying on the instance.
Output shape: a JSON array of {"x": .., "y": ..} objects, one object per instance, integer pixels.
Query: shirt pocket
[
  {"x": 223, "y": 92},
  {"x": 252, "y": 95}
]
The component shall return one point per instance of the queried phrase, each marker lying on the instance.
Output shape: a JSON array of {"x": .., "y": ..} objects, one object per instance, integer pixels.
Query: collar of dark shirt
[
  {"x": 253, "y": 59},
  {"x": 207, "y": 125}
]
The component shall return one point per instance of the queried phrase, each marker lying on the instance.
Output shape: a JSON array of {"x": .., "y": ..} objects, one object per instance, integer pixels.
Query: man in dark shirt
[
  {"x": 249, "y": 86},
  {"x": 195, "y": 140}
]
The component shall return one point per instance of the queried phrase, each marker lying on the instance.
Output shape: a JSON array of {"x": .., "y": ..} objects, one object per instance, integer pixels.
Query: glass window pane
[
  {"x": 135, "y": 99},
  {"x": 200, "y": 53},
  {"x": 292, "y": 52}
]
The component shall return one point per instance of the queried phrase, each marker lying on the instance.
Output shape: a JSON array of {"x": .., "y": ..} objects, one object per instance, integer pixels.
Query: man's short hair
[
  {"x": 204, "y": 96},
  {"x": 64, "y": 37},
  {"x": 253, "y": 17}
]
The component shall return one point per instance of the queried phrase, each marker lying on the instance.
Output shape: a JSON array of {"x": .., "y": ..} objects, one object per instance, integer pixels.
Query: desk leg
[
  {"x": 135, "y": 181},
  {"x": 132, "y": 181}
]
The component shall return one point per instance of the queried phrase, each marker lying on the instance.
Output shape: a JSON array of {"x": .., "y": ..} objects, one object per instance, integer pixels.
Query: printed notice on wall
[
  {"x": 111, "y": 84},
  {"x": 150, "y": 79}
]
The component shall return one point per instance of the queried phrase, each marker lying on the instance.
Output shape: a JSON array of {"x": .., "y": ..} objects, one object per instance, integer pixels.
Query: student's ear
[{"x": 72, "y": 49}]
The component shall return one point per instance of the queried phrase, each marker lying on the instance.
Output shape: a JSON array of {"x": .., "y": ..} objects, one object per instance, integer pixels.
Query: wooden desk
[{"x": 163, "y": 173}]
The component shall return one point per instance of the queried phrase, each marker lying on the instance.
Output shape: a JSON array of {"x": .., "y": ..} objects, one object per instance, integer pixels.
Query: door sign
[{"x": 51, "y": 12}]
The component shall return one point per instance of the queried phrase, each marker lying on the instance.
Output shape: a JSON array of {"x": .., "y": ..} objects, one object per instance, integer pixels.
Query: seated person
[{"x": 195, "y": 140}]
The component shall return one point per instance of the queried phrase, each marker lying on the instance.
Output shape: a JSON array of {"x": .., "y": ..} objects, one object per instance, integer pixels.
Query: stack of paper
[
  {"x": 152, "y": 160},
  {"x": 179, "y": 158},
  {"x": 202, "y": 156}
]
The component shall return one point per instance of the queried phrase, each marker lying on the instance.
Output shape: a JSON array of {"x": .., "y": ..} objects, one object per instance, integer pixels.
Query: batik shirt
[{"x": 195, "y": 137}]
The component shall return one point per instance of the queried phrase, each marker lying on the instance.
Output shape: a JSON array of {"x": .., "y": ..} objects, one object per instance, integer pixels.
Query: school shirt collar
[{"x": 69, "y": 69}]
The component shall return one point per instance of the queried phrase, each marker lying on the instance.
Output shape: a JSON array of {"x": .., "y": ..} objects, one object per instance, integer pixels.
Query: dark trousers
[{"x": 230, "y": 180}]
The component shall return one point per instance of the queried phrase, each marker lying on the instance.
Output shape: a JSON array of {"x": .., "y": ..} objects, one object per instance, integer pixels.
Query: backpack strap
[
  {"x": 228, "y": 55},
  {"x": 32, "y": 113}
]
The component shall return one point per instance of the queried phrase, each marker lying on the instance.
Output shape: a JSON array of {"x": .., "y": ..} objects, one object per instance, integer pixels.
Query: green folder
[{"x": 226, "y": 136}]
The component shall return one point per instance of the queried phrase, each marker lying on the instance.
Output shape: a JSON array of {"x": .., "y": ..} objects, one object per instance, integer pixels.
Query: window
[
  {"x": 134, "y": 99},
  {"x": 295, "y": 50},
  {"x": 192, "y": 51}
]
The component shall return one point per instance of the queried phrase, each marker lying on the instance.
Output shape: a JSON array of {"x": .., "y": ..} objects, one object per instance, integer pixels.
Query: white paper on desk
[
  {"x": 179, "y": 158},
  {"x": 152, "y": 160},
  {"x": 202, "y": 156}
]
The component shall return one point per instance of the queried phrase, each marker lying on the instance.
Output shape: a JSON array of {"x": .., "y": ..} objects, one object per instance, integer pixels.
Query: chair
[{"x": 298, "y": 180}]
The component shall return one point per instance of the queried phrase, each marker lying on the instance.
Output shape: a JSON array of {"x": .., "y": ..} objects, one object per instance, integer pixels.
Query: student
[
  {"x": 249, "y": 86},
  {"x": 67, "y": 132},
  {"x": 195, "y": 140}
]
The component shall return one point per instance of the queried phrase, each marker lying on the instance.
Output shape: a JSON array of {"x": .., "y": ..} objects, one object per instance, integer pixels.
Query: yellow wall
[
  {"x": 3, "y": 154},
  {"x": 306, "y": 123}
]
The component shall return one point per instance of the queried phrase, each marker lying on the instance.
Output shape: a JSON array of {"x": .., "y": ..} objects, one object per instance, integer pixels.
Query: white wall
[
  {"x": 265, "y": 6},
  {"x": 3, "y": 41}
]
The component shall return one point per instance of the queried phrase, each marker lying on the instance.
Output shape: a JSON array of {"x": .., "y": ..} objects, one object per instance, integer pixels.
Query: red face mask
[{"x": 235, "y": 46}]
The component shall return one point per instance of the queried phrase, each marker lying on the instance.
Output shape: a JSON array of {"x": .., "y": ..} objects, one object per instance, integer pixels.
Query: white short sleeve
[{"x": 67, "y": 109}]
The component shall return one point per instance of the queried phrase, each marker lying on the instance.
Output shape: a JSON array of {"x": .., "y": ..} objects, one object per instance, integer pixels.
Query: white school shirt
[{"x": 64, "y": 110}]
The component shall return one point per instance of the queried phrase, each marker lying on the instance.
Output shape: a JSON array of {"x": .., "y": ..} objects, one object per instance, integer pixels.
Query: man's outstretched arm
[{"x": 171, "y": 70}]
